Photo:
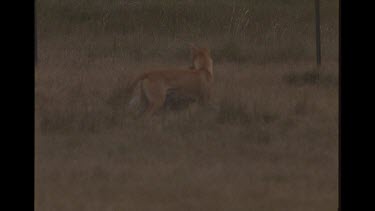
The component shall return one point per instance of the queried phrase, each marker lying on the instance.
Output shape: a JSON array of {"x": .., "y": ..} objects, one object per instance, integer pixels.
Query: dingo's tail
[
  {"x": 131, "y": 86},
  {"x": 123, "y": 94}
]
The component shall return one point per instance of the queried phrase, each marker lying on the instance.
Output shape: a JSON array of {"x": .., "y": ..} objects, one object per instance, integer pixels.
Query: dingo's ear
[
  {"x": 192, "y": 45},
  {"x": 208, "y": 51},
  {"x": 193, "y": 48}
]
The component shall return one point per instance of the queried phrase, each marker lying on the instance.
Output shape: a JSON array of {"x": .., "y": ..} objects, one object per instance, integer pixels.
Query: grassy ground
[{"x": 272, "y": 144}]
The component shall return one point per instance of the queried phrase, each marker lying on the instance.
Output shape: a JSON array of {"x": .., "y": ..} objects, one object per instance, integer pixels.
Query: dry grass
[{"x": 271, "y": 144}]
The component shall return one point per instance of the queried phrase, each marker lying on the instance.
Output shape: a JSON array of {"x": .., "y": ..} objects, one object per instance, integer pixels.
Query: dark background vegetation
[{"x": 271, "y": 144}]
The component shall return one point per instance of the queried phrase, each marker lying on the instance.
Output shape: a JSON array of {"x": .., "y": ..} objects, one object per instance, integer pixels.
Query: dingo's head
[{"x": 201, "y": 58}]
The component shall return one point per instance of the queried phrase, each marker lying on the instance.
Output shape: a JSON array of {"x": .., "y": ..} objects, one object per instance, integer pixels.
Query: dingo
[{"x": 194, "y": 83}]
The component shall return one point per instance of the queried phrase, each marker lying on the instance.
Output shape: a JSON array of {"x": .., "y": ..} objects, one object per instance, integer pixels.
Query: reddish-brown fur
[{"x": 194, "y": 83}]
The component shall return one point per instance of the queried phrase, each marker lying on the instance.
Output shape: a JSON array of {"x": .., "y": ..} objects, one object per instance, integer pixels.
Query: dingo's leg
[{"x": 155, "y": 93}]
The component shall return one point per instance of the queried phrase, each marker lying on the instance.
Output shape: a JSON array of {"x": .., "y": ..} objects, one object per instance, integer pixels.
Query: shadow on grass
[
  {"x": 310, "y": 77},
  {"x": 236, "y": 113}
]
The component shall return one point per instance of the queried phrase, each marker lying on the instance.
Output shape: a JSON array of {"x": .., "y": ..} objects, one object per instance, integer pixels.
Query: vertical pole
[
  {"x": 35, "y": 38},
  {"x": 317, "y": 29},
  {"x": 35, "y": 50}
]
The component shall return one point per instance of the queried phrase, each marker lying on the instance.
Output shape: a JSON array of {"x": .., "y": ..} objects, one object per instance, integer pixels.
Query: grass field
[{"x": 272, "y": 144}]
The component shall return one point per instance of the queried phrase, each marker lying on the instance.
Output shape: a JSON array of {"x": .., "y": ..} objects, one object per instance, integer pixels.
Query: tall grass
[{"x": 257, "y": 31}]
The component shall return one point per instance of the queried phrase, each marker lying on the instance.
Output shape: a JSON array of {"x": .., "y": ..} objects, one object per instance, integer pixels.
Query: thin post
[
  {"x": 35, "y": 47},
  {"x": 35, "y": 38},
  {"x": 317, "y": 29}
]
